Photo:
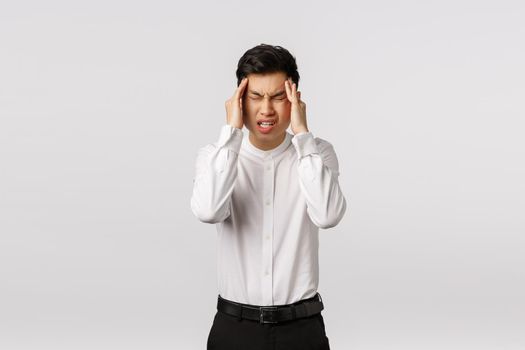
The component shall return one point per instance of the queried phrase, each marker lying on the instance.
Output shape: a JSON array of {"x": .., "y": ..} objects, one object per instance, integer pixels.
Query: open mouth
[{"x": 266, "y": 125}]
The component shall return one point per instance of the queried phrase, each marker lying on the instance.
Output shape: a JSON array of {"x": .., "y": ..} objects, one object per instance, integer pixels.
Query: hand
[
  {"x": 234, "y": 115},
  {"x": 298, "y": 111}
]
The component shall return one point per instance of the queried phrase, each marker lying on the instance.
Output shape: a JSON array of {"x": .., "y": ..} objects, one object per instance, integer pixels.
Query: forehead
[{"x": 267, "y": 82}]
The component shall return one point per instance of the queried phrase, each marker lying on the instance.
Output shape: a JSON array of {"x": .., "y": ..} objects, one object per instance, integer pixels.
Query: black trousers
[{"x": 230, "y": 333}]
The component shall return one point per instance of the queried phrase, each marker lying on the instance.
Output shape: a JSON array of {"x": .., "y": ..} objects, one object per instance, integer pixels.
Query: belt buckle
[{"x": 261, "y": 313}]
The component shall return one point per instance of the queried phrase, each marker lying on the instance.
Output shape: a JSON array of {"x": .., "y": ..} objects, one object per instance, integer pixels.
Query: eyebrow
[{"x": 274, "y": 95}]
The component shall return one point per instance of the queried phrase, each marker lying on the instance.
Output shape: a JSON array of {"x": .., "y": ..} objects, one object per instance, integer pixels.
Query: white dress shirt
[{"x": 268, "y": 207}]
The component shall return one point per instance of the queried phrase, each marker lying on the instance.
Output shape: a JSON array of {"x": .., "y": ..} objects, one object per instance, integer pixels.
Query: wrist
[
  {"x": 301, "y": 129},
  {"x": 235, "y": 125}
]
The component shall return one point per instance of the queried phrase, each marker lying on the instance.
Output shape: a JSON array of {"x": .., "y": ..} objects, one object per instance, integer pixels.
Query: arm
[
  {"x": 215, "y": 175},
  {"x": 318, "y": 178}
]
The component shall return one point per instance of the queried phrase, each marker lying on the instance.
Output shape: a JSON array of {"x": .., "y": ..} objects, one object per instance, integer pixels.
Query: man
[{"x": 268, "y": 194}]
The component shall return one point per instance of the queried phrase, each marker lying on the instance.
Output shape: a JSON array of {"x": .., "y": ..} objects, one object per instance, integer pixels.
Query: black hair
[{"x": 266, "y": 58}]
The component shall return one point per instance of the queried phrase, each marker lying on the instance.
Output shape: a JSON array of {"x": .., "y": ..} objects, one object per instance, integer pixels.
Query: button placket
[{"x": 267, "y": 234}]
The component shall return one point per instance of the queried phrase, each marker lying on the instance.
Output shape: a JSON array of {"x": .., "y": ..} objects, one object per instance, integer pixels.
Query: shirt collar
[{"x": 247, "y": 145}]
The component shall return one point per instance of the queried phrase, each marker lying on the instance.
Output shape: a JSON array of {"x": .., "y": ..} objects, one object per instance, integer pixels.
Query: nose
[{"x": 267, "y": 107}]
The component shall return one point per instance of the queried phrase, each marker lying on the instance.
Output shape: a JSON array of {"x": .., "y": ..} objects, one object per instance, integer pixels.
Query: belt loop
[
  {"x": 239, "y": 317},
  {"x": 294, "y": 316}
]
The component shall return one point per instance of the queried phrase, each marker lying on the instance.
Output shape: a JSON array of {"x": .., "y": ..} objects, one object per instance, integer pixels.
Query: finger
[
  {"x": 237, "y": 91},
  {"x": 290, "y": 84},
  {"x": 288, "y": 89},
  {"x": 293, "y": 96},
  {"x": 240, "y": 89}
]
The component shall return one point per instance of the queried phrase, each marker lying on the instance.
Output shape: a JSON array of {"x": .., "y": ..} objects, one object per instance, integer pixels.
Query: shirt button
[
  {"x": 267, "y": 237},
  {"x": 266, "y": 273},
  {"x": 267, "y": 202},
  {"x": 268, "y": 167}
]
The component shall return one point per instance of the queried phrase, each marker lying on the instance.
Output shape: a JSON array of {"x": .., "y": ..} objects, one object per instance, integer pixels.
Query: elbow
[
  {"x": 331, "y": 218},
  {"x": 328, "y": 222},
  {"x": 206, "y": 215}
]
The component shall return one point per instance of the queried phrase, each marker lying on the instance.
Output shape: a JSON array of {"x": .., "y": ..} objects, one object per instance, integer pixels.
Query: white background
[{"x": 103, "y": 105}]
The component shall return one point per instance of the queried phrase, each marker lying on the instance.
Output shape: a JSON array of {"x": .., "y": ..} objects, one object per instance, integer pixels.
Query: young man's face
[{"x": 265, "y": 99}]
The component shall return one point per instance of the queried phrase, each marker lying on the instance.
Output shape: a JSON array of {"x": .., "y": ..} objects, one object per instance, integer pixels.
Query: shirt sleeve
[
  {"x": 318, "y": 170},
  {"x": 215, "y": 175}
]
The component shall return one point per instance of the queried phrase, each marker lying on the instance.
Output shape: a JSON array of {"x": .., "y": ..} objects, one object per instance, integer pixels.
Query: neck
[{"x": 266, "y": 145}]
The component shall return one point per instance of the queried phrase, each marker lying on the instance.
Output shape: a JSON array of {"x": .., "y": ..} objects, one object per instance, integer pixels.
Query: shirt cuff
[
  {"x": 230, "y": 138},
  {"x": 304, "y": 144}
]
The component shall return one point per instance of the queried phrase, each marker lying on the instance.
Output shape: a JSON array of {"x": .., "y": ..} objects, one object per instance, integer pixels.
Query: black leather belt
[{"x": 272, "y": 314}]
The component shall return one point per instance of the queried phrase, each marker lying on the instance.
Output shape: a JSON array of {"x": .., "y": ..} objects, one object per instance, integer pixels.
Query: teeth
[{"x": 266, "y": 125}]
